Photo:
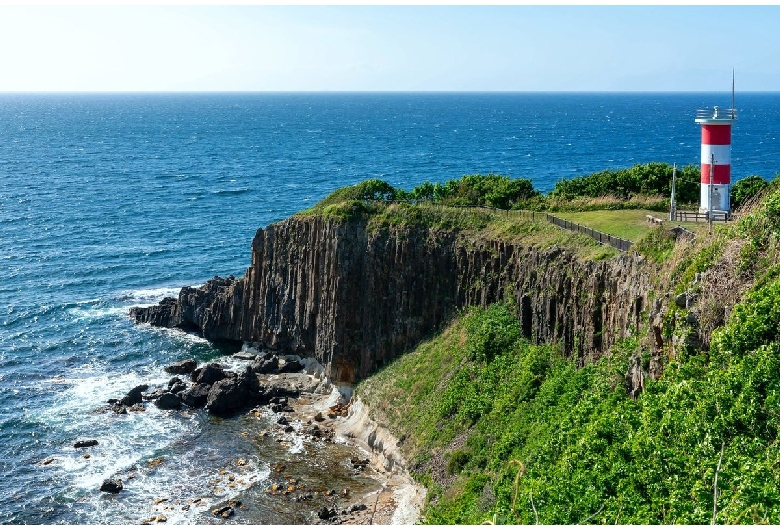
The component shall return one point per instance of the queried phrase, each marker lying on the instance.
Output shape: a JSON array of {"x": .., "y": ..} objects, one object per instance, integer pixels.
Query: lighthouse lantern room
[{"x": 715, "y": 158}]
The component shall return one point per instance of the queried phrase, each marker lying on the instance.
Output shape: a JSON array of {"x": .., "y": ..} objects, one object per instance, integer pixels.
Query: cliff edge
[{"x": 354, "y": 293}]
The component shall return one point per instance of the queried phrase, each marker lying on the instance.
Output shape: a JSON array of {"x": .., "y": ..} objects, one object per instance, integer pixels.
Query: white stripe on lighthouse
[{"x": 722, "y": 154}]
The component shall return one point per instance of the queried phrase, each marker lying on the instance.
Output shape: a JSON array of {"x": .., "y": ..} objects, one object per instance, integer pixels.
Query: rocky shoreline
[{"x": 300, "y": 405}]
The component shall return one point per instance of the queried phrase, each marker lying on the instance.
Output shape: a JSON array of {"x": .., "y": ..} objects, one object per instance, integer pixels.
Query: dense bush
[
  {"x": 495, "y": 191},
  {"x": 745, "y": 189},
  {"x": 654, "y": 178},
  {"x": 644, "y": 186}
]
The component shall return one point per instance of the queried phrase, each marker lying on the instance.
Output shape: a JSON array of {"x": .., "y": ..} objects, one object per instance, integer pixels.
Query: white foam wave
[
  {"x": 151, "y": 295},
  {"x": 96, "y": 313}
]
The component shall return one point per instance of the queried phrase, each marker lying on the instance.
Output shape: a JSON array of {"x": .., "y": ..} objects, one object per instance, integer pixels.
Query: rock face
[{"x": 354, "y": 297}]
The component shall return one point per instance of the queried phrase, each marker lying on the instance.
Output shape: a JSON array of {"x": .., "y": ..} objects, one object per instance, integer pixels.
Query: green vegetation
[
  {"x": 642, "y": 186},
  {"x": 504, "y": 430},
  {"x": 654, "y": 178},
  {"x": 612, "y": 201},
  {"x": 745, "y": 189},
  {"x": 527, "y": 437}
]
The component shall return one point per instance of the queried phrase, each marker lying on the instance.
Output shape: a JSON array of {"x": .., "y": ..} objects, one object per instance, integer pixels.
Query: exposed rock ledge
[
  {"x": 360, "y": 429},
  {"x": 401, "y": 495},
  {"x": 355, "y": 298}
]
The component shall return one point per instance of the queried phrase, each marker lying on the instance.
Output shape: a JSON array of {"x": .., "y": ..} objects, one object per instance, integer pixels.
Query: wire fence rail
[{"x": 605, "y": 239}]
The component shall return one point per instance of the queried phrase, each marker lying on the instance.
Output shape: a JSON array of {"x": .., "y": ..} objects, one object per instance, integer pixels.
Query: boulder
[
  {"x": 178, "y": 388},
  {"x": 289, "y": 365},
  {"x": 134, "y": 396},
  {"x": 227, "y": 396},
  {"x": 155, "y": 394},
  {"x": 111, "y": 485},
  {"x": 224, "y": 512},
  {"x": 681, "y": 300},
  {"x": 85, "y": 443},
  {"x": 168, "y": 401},
  {"x": 326, "y": 513},
  {"x": 268, "y": 365},
  {"x": 196, "y": 396},
  {"x": 182, "y": 367},
  {"x": 209, "y": 374}
]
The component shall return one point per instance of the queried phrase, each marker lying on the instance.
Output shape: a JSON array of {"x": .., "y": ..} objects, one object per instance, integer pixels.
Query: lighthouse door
[{"x": 717, "y": 204}]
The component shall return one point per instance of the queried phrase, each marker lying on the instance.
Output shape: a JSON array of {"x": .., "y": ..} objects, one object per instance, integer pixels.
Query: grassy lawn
[{"x": 626, "y": 224}]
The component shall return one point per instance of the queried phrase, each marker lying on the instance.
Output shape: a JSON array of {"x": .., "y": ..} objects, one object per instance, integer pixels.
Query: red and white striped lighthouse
[{"x": 715, "y": 158}]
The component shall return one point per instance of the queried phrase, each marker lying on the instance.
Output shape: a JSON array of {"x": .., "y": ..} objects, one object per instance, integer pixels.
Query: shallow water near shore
[{"x": 115, "y": 200}]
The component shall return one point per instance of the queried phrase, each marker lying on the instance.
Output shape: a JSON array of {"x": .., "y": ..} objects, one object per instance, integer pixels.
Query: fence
[
  {"x": 605, "y": 239},
  {"x": 702, "y": 217}
]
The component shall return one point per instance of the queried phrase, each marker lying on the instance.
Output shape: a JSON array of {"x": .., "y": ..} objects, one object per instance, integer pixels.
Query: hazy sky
[{"x": 408, "y": 48}]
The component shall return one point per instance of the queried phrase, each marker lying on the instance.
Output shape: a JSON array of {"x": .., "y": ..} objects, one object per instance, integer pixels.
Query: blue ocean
[{"x": 113, "y": 200}]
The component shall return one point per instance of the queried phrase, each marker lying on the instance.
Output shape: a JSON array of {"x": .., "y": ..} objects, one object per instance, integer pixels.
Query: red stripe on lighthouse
[
  {"x": 722, "y": 174},
  {"x": 716, "y": 134}
]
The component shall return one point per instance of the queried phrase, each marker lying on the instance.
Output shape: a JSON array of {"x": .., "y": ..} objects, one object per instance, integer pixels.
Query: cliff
[{"x": 355, "y": 295}]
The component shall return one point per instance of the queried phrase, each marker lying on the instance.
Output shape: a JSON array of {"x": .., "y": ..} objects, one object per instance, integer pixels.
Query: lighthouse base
[{"x": 720, "y": 198}]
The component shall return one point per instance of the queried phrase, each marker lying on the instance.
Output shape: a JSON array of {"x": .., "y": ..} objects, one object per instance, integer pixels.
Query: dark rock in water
[
  {"x": 85, "y": 443},
  {"x": 155, "y": 394},
  {"x": 209, "y": 374},
  {"x": 282, "y": 420},
  {"x": 163, "y": 314},
  {"x": 135, "y": 396},
  {"x": 112, "y": 401},
  {"x": 112, "y": 485},
  {"x": 227, "y": 396},
  {"x": 175, "y": 380},
  {"x": 119, "y": 409},
  {"x": 245, "y": 356},
  {"x": 178, "y": 388},
  {"x": 168, "y": 401},
  {"x": 357, "y": 508},
  {"x": 182, "y": 367},
  {"x": 224, "y": 512},
  {"x": 196, "y": 396},
  {"x": 326, "y": 513},
  {"x": 289, "y": 428}
]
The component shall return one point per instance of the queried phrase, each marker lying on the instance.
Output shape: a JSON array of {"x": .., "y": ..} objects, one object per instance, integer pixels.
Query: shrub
[
  {"x": 745, "y": 189},
  {"x": 654, "y": 178},
  {"x": 457, "y": 461}
]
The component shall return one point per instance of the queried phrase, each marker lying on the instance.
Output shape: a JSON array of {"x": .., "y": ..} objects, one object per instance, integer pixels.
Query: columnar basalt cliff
[{"x": 354, "y": 297}]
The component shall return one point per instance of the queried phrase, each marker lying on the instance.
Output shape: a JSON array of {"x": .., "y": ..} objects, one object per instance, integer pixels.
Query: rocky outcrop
[{"x": 354, "y": 297}]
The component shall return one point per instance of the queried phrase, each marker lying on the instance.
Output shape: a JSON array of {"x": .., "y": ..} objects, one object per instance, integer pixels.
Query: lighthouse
[{"x": 715, "y": 158}]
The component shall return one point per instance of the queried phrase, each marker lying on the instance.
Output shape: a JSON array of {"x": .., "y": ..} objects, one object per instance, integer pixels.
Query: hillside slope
[{"x": 676, "y": 424}]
